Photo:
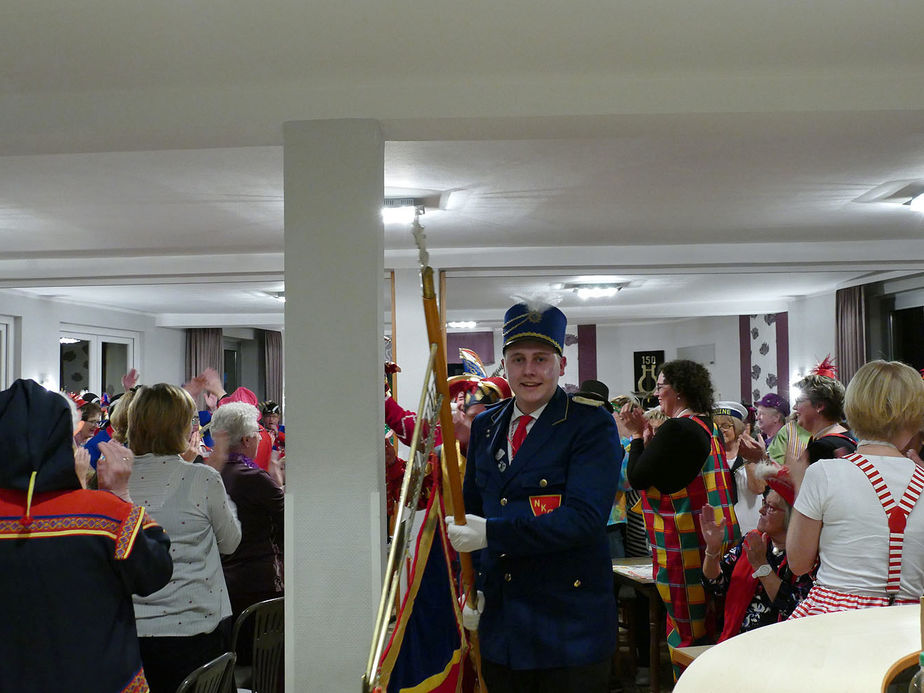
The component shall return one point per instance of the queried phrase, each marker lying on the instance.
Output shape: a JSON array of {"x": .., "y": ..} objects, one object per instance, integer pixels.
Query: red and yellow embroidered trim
[
  {"x": 128, "y": 531},
  {"x": 66, "y": 525},
  {"x": 138, "y": 684}
]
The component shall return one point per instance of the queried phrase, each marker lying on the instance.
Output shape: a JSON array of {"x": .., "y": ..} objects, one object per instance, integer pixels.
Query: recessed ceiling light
[
  {"x": 899, "y": 192},
  {"x": 585, "y": 291},
  {"x": 454, "y": 199},
  {"x": 398, "y": 215},
  {"x": 462, "y": 324},
  {"x": 401, "y": 210},
  {"x": 916, "y": 203}
]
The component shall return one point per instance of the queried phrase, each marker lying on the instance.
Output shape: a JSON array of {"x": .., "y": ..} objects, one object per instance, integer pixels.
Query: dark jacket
[
  {"x": 255, "y": 569},
  {"x": 69, "y": 566},
  {"x": 547, "y": 576}
]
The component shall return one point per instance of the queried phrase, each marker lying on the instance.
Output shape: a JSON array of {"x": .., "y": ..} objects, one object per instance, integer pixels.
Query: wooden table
[
  {"x": 632, "y": 572},
  {"x": 860, "y": 650}
]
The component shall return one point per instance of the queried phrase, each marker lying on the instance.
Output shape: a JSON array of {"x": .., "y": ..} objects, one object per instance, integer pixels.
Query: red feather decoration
[{"x": 826, "y": 368}]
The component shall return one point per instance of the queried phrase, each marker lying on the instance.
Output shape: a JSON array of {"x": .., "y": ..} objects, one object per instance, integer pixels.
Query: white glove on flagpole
[
  {"x": 468, "y": 537},
  {"x": 470, "y": 616}
]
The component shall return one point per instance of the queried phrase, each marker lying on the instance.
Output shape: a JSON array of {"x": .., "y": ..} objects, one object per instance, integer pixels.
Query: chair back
[
  {"x": 216, "y": 676},
  {"x": 268, "y": 643}
]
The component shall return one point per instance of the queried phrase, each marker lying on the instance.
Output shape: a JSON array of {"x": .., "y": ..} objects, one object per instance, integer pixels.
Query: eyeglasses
[
  {"x": 93, "y": 423},
  {"x": 727, "y": 426}
]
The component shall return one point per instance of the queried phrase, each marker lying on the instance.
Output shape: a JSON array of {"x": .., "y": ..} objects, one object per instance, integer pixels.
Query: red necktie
[{"x": 519, "y": 435}]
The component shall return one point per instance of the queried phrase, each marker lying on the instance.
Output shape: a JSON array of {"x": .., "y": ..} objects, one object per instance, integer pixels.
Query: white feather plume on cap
[{"x": 539, "y": 301}]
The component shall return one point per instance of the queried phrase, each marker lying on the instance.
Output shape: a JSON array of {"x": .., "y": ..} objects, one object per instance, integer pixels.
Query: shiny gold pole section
[
  {"x": 450, "y": 450},
  {"x": 421, "y": 447}
]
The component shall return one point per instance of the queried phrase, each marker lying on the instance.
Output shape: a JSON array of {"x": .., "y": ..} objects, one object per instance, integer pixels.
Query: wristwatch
[{"x": 763, "y": 571}]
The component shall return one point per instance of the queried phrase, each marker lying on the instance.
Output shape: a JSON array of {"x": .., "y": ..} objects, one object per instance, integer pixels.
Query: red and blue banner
[{"x": 427, "y": 650}]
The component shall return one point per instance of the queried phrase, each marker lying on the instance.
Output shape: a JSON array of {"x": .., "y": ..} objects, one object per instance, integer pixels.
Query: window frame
[{"x": 96, "y": 336}]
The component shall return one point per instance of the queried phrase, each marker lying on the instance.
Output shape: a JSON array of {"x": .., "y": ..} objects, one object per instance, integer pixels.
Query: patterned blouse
[{"x": 762, "y": 611}]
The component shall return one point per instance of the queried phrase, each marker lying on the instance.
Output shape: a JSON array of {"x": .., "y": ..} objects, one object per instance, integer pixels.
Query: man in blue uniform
[{"x": 541, "y": 476}]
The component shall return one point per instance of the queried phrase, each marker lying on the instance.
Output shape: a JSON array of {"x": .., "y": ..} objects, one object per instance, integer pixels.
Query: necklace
[
  {"x": 824, "y": 431},
  {"x": 883, "y": 443}
]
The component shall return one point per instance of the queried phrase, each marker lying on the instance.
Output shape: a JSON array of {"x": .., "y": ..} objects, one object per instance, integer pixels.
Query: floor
[
  {"x": 624, "y": 669},
  {"x": 623, "y": 679}
]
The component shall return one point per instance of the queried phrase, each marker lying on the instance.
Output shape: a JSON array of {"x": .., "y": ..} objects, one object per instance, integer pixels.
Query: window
[
  {"x": 95, "y": 360},
  {"x": 232, "y": 364},
  {"x": 6, "y": 351}
]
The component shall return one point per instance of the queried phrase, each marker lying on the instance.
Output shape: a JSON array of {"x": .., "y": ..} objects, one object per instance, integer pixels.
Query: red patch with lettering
[{"x": 544, "y": 504}]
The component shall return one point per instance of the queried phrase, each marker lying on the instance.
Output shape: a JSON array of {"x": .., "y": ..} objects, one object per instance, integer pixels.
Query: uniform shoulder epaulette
[
  {"x": 492, "y": 407},
  {"x": 586, "y": 401}
]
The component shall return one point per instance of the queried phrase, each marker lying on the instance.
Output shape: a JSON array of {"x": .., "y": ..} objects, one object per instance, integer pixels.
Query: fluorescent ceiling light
[
  {"x": 916, "y": 203},
  {"x": 586, "y": 292},
  {"x": 401, "y": 210},
  {"x": 462, "y": 324},
  {"x": 68, "y": 340},
  {"x": 398, "y": 215}
]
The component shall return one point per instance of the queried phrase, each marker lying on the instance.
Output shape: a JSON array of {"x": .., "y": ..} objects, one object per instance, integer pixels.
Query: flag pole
[
  {"x": 421, "y": 447},
  {"x": 449, "y": 450}
]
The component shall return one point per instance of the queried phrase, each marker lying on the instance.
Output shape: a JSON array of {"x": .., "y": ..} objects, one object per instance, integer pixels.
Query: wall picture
[{"x": 646, "y": 365}]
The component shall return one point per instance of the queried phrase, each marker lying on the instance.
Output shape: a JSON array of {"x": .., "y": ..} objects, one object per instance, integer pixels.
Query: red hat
[
  {"x": 778, "y": 479},
  {"x": 502, "y": 386},
  {"x": 76, "y": 399},
  {"x": 489, "y": 391},
  {"x": 462, "y": 383},
  {"x": 241, "y": 394}
]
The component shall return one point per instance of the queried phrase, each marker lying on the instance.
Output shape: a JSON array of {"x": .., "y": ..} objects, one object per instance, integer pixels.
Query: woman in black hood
[{"x": 71, "y": 558}]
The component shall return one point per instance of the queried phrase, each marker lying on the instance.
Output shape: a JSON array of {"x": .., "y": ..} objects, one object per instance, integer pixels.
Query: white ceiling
[{"x": 711, "y": 152}]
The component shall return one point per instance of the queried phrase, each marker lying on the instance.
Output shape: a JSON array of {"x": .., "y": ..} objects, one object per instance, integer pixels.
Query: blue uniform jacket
[{"x": 547, "y": 576}]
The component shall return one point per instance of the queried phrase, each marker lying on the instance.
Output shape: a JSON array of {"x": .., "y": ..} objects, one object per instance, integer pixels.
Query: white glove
[
  {"x": 468, "y": 537},
  {"x": 470, "y": 616}
]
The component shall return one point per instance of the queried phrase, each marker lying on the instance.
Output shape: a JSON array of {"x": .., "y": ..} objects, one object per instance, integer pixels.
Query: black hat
[
  {"x": 269, "y": 407},
  {"x": 90, "y": 398},
  {"x": 595, "y": 394}
]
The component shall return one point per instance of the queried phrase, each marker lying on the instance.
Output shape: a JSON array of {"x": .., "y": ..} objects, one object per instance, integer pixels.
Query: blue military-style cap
[{"x": 539, "y": 324}]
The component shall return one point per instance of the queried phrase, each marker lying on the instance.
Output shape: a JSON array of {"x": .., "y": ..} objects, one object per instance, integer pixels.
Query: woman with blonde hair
[
  {"x": 859, "y": 515},
  {"x": 179, "y": 626}
]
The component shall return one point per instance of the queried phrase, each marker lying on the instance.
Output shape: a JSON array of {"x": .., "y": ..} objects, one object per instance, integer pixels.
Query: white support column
[
  {"x": 412, "y": 345},
  {"x": 334, "y": 542}
]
